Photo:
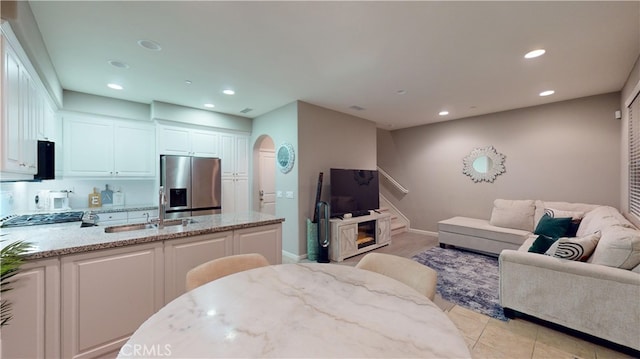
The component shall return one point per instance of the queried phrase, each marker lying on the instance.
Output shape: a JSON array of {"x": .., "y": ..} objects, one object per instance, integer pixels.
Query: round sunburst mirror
[{"x": 483, "y": 164}]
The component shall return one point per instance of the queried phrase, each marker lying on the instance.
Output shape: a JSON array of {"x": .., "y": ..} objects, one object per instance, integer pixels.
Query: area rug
[{"x": 465, "y": 278}]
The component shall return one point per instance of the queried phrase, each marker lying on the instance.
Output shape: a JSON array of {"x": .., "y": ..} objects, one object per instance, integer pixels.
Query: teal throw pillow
[
  {"x": 553, "y": 227},
  {"x": 542, "y": 244}
]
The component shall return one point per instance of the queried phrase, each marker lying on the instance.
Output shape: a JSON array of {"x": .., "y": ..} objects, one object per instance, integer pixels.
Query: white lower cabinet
[
  {"x": 34, "y": 330},
  {"x": 87, "y": 305},
  {"x": 266, "y": 240},
  {"x": 107, "y": 295},
  {"x": 235, "y": 194},
  {"x": 112, "y": 218},
  {"x": 181, "y": 255}
]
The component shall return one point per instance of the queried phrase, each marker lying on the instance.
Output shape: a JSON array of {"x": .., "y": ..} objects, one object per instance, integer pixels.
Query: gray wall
[
  {"x": 564, "y": 151},
  {"x": 107, "y": 106},
  {"x": 322, "y": 139},
  {"x": 282, "y": 126},
  {"x": 329, "y": 139}
]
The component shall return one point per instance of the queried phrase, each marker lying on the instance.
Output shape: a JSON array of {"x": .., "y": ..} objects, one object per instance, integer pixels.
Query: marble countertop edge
[{"x": 66, "y": 239}]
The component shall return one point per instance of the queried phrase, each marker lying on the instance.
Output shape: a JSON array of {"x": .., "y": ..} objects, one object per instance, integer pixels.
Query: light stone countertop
[
  {"x": 305, "y": 310},
  {"x": 112, "y": 209},
  {"x": 68, "y": 238}
]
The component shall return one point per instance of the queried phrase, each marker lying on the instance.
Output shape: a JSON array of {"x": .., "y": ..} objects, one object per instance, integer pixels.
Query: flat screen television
[{"x": 353, "y": 191}]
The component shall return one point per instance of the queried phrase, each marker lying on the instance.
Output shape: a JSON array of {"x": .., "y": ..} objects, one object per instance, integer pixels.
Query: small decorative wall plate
[{"x": 285, "y": 156}]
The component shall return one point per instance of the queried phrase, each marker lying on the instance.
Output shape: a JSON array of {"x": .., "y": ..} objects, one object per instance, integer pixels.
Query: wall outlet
[
  {"x": 279, "y": 194},
  {"x": 289, "y": 194}
]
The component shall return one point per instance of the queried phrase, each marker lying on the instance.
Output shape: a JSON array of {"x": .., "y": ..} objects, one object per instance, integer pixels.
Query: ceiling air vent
[
  {"x": 245, "y": 110},
  {"x": 356, "y": 107}
]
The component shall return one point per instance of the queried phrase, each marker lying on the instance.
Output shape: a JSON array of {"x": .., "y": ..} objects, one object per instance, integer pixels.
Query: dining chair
[
  {"x": 220, "y": 267},
  {"x": 420, "y": 277}
]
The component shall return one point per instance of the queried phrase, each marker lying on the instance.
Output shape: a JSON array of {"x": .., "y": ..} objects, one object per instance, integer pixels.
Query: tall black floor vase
[{"x": 322, "y": 209}]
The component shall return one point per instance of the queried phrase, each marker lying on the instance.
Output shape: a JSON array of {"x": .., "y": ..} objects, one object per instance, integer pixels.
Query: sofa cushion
[
  {"x": 618, "y": 247},
  {"x": 576, "y": 218},
  {"x": 601, "y": 218},
  {"x": 553, "y": 227},
  {"x": 481, "y": 228},
  {"x": 542, "y": 244},
  {"x": 516, "y": 214},
  {"x": 576, "y": 249},
  {"x": 541, "y": 206}
]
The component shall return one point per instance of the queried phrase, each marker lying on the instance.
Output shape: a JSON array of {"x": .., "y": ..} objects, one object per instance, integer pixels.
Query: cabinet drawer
[{"x": 112, "y": 218}]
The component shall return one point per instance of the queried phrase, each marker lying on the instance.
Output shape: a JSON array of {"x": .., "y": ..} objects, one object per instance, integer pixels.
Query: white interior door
[{"x": 267, "y": 195}]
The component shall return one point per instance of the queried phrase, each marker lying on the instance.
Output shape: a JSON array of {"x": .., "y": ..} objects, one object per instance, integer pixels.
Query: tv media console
[{"x": 356, "y": 235}]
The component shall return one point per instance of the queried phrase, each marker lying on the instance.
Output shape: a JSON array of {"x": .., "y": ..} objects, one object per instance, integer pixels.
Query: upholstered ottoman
[{"x": 479, "y": 235}]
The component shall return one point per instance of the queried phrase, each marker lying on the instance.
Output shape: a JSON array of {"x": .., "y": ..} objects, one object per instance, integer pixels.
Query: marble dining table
[{"x": 299, "y": 310}]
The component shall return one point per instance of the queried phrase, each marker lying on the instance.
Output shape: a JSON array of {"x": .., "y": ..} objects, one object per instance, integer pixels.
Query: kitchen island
[
  {"x": 68, "y": 238},
  {"x": 83, "y": 292}
]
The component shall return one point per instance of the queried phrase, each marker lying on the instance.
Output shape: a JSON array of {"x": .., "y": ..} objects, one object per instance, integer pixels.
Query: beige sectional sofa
[{"x": 597, "y": 294}]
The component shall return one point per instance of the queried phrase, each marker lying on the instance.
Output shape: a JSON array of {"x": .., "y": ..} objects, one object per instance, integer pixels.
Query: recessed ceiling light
[
  {"x": 443, "y": 113},
  {"x": 209, "y": 105},
  {"x": 547, "y": 93},
  {"x": 228, "y": 92},
  {"x": 534, "y": 53},
  {"x": 150, "y": 45},
  {"x": 118, "y": 64},
  {"x": 115, "y": 86},
  {"x": 188, "y": 82}
]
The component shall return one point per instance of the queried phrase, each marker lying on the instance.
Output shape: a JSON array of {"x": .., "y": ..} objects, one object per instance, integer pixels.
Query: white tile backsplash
[{"x": 23, "y": 194}]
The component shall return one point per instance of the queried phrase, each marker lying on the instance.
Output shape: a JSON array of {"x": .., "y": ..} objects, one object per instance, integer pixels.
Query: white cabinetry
[
  {"x": 18, "y": 124},
  {"x": 34, "y": 331},
  {"x": 107, "y": 295},
  {"x": 102, "y": 147},
  {"x": 353, "y": 236},
  {"x": 112, "y": 218},
  {"x": 235, "y": 172},
  {"x": 266, "y": 240},
  {"x": 184, "y": 141},
  {"x": 27, "y": 112},
  {"x": 181, "y": 255}
]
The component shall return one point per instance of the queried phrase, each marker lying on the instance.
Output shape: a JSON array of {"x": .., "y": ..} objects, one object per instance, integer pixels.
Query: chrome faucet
[{"x": 161, "y": 207}]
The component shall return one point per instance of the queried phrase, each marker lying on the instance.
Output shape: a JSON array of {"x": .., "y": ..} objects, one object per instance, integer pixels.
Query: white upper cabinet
[
  {"x": 27, "y": 112},
  {"x": 103, "y": 147},
  {"x": 235, "y": 155},
  {"x": 174, "y": 140},
  {"x": 235, "y": 172},
  {"x": 18, "y": 129}
]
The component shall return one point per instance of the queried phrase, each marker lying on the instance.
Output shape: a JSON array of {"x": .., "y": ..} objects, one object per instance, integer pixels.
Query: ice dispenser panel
[{"x": 177, "y": 197}]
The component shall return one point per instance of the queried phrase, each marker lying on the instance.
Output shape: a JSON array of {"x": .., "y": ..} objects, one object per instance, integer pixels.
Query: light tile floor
[{"x": 491, "y": 338}]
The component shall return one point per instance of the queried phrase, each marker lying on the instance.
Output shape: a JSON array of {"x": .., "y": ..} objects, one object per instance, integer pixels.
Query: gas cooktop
[{"x": 43, "y": 218}]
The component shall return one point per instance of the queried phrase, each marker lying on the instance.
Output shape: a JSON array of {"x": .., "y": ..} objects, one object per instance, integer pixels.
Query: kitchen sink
[{"x": 139, "y": 226}]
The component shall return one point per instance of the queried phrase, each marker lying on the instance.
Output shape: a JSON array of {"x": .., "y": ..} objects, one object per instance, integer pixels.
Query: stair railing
[{"x": 391, "y": 180}]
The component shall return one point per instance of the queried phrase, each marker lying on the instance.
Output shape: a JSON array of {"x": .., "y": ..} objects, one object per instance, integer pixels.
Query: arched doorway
[{"x": 264, "y": 175}]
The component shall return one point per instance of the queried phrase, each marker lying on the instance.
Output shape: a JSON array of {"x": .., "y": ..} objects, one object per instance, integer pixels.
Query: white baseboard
[
  {"x": 292, "y": 258},
  {"x": 420, "y": 231}
]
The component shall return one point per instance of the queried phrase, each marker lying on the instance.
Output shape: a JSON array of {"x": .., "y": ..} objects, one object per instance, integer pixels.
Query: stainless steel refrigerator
[{"x": 192, "y": 185}]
